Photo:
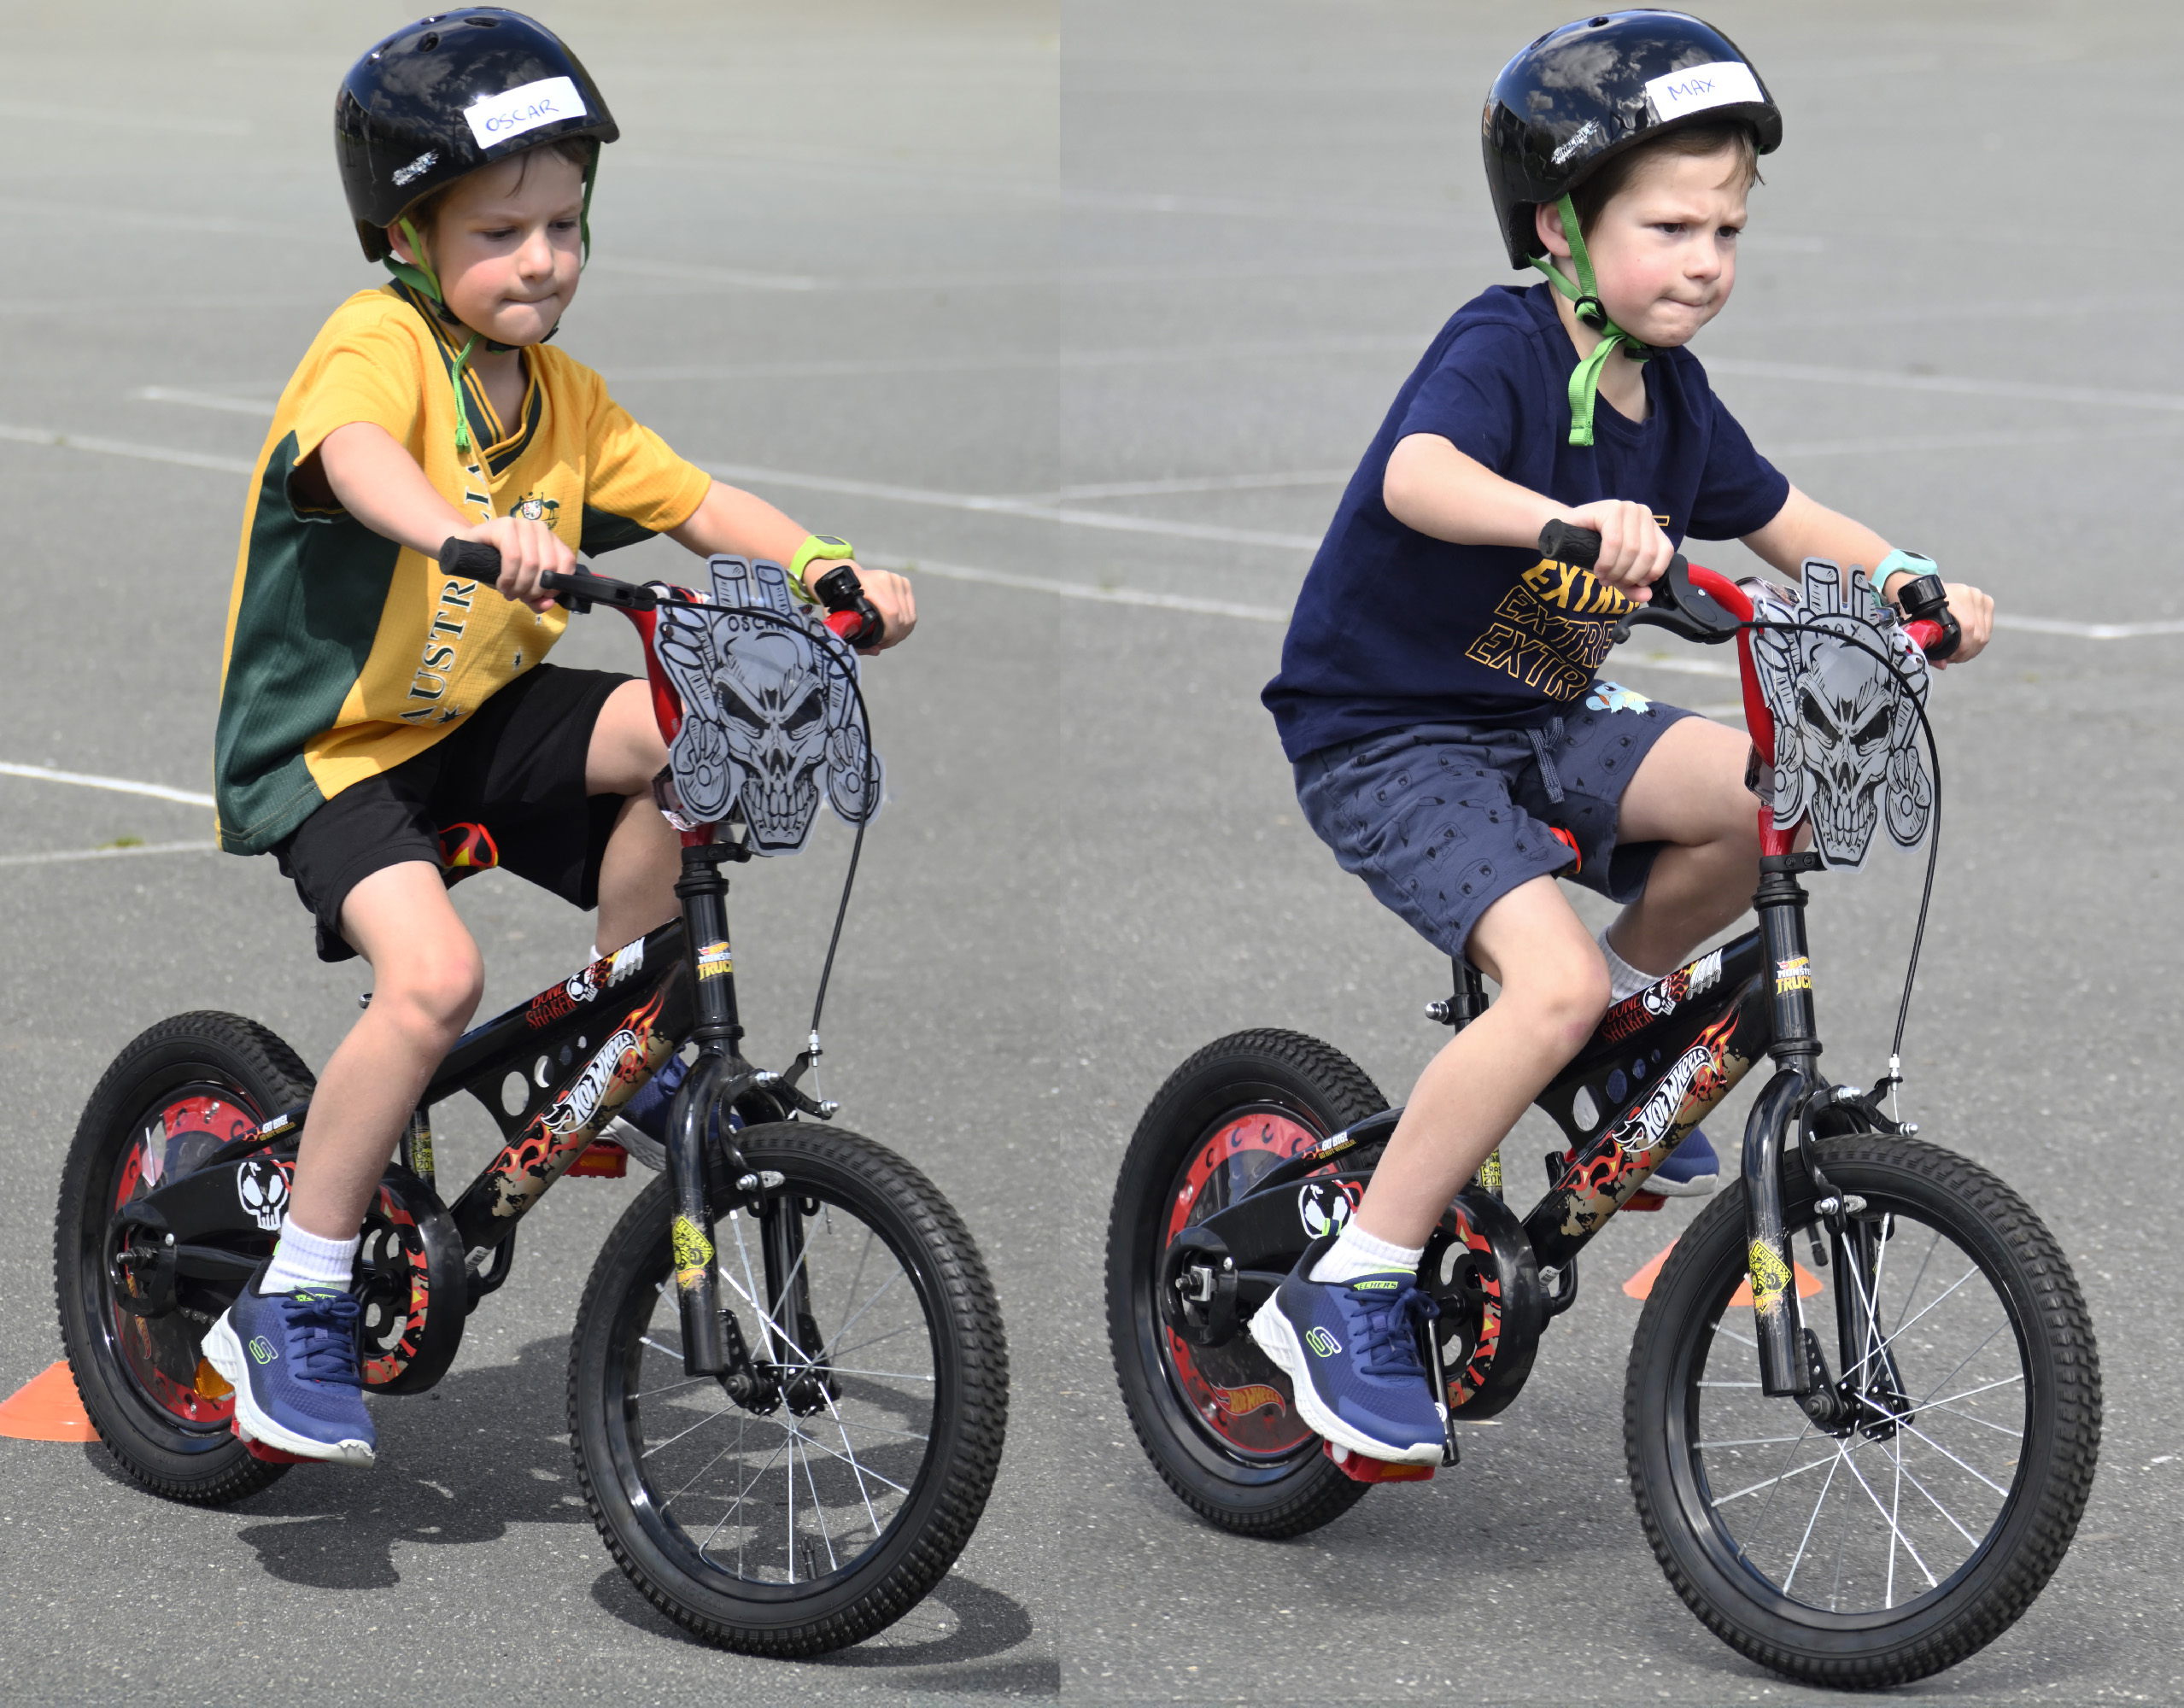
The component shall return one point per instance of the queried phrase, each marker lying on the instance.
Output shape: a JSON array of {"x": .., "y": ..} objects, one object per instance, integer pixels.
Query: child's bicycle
[
  {"x": 787, "y": 1379},
  {"x": 1856, "y": 1473}
]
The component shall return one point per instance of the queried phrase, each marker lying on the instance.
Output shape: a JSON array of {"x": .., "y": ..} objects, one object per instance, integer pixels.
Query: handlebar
[
  {"x": 1694, "y": 603},
  {"x": 849, "y": 613},
  {"x": 1702, "y": 605}
]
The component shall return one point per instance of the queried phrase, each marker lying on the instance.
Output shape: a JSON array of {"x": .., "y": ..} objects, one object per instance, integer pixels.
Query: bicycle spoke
[
  {"x": 1887, "y": 1519},
  {"x": 1753, "y": 1488},
  {"x": 851, "y": 1322},
  {"x": 1883, "y": 1346},
  {"x": 1753, "y": 1441},
  {"x": 1931, "y": 1407},
  {"x": 1819, "y": 1502},
  {"x": 820, "y": 1512},
  {"x": 1984, "y": 1388},
  {"x": 661, "y": 1447},
  {"x": 1969, "y": 1470},
  {"x": 1965, "y": 1359},
  {"x": 857, "y": 1470},
  {"x": 1947, "y": 1514}
]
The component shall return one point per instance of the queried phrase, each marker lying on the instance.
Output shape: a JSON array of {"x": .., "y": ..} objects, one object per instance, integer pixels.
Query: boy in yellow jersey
[{"x": 372, "y": 706}]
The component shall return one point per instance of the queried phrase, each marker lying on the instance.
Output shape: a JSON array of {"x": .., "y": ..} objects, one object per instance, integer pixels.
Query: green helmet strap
[{"x": 1585, "y": 296}]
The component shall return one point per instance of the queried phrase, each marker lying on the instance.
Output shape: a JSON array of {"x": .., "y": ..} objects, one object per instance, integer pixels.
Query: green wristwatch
[{"x": 816, "y": 548}]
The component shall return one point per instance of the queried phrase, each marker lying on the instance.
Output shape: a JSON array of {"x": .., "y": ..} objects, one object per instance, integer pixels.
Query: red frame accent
[
  {"x": 667, "y": 704},
  {"x": 1757, "y": 718}
]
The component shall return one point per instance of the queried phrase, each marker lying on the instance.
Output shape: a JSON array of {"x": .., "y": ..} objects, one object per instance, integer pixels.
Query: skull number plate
[
  {"x": 1846, "y": 749},
  {"x": 770, "y": 718}
]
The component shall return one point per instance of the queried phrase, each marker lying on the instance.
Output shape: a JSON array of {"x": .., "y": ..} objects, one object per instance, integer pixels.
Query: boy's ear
[
  {"x": 1548, "y": 219},
  {"x": 399, "y": 245}
]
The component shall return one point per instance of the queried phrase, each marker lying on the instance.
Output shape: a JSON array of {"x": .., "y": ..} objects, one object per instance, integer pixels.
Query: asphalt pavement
[{"x": 1087, "y": 317}]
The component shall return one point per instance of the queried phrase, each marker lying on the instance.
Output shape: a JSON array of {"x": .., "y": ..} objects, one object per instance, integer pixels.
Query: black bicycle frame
[
  {"x": 1655, "y": 1068},
  {"x": 579, "y": 1050}
]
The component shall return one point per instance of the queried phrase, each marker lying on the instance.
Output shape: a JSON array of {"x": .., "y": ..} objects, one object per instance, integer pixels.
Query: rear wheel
[
  {"x": 1220, "y": 1423},
  {"x": 1893, "y": 1541},
  {"x": 813, "y": 1498},
  {"x": 186, "y": 1088}
]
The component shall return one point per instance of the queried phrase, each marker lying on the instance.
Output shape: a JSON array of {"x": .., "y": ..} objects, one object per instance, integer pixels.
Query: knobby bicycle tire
[
  {"x": 1292, "y": 1488},
  {"x": 194, "y": 1460},
  {"x": 831, "y": 1177},
  {"x": 1990, "y": 1232}
]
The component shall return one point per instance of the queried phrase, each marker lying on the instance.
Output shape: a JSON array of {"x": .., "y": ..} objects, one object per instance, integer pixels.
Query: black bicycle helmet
[
  {"x": 1585, "y": 93},
  {"x": 1578, "y": 97},
  {"x": 447, "y": 95}
]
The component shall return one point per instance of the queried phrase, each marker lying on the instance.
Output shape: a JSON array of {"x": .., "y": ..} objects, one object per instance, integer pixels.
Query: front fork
[
  {"x": 717, "y": 1077},
  {"x": 1791, "y": 1362}
]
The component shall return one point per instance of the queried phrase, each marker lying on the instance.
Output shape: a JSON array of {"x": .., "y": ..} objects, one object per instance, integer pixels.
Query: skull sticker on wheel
[
  {"x": 1845, "y": 725},
  {"x": 771, "y": 719}
]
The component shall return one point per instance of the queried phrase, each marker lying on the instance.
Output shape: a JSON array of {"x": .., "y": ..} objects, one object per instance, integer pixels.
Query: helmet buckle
[{"x": 1591, "y": 310}]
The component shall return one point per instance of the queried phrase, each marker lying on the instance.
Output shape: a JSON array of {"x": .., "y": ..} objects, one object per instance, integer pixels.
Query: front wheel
[
  {"x": 813, "y": 1495},
  {"x": 1917, "y": 1519}
]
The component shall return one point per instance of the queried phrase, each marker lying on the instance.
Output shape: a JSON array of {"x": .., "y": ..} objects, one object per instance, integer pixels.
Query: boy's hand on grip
[
  {"x": 1633, "y": 549},
  {"x": 528, "y": 551}
]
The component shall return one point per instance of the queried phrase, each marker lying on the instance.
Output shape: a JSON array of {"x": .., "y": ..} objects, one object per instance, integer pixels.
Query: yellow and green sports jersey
[{"x": 347, "y": 653}]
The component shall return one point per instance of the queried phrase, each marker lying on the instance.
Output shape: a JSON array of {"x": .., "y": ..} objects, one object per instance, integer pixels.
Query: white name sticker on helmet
[
  {"x": 1726, "y": 82},
  {"x": 547, "y": 101}
]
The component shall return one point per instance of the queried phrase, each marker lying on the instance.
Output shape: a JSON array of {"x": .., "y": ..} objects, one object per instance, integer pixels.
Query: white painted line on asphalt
[
  {"x": 109, "y": 853},
  {"x": 204, "y": 400},
  {"x": 167, "y": 123},
  {"x": 1081, "y": 590},
  {"x": 1031, "y": 509},
  {"x": 122, "y": 786},
  {"x": 1880, "y": 380},
  {"x": 1160, "y": 488},
  {"x": 118, "y": 448}
]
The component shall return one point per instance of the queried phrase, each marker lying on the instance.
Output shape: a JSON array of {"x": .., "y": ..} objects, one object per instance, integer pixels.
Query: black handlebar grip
[
  {"x": 472, "y": 559},
  {"x": 1925, "y": 599},
  {"x": 843, "y": 594},
  {"x": 1567, "y": 543}
]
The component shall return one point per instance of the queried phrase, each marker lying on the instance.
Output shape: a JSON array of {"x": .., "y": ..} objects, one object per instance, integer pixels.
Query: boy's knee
[
  {"x": 1562, "y": 995},
  {"x": 436, "y": 990}
]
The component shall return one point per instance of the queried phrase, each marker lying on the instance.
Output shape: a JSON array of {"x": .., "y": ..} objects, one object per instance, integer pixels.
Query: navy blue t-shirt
[{"x": 1395, "y": 627}]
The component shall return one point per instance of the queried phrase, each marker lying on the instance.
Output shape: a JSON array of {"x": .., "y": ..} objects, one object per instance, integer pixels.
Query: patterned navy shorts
[{"x": 1443, "y": 820}]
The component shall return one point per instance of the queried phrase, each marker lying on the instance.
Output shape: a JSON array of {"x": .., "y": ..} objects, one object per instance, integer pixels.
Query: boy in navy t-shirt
[{"x": 1437, "y": 692}]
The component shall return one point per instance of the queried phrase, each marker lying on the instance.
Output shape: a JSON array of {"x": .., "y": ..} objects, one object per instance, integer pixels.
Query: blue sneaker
[
  {"x": 1690, "y": 1170},
  {"x": 291, "y": 1360},
  {"x": 1350, "y": 1351},
  {"x": 640, "y": 1128}
]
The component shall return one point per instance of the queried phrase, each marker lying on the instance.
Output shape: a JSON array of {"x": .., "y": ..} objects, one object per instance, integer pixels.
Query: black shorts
[{"x": 507, "y": 789}]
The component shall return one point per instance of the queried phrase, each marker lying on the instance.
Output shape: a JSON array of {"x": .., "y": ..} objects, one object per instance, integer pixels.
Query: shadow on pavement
[
  {"x": 960, "y": 1621},
  {"x": 457, "y": 1464}
]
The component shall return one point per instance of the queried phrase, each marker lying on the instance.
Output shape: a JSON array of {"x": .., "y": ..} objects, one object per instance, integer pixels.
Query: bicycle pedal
[
  {"x": 603, "y": 1159},
  {"x": 1359, "y": 1468},
  {"x": 271, "y": 1455},
  {"x": 1645, "y": 1200}
]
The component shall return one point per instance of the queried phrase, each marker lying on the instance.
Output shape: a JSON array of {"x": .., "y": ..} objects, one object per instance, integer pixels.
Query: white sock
[
  {"x": 1356, "y": 1252},
  {"x": 594, "y": 953},
  {"x": 1624, "y": 980},
  {"x": 303, "y": 1259}
]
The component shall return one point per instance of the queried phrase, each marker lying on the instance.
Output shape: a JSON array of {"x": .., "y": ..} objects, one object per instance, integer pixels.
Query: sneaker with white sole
[
  {"x": 1690, "y": 1170},
  {"x": 291, "y": 1358},
  {"x": 1350, "y": 1351}
]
